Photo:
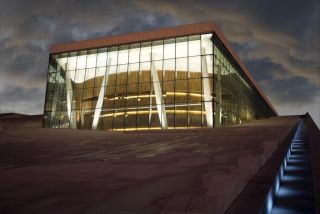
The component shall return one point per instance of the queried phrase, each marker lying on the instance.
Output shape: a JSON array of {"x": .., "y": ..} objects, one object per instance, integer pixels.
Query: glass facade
[{"x": 183, "y": 82}]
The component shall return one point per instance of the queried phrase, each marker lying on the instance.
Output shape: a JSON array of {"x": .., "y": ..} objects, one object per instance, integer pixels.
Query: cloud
[
  {"x": 28, "y": 29},
  {"x": 277, "y": 40},
  {"x": 20, "y": 99}
]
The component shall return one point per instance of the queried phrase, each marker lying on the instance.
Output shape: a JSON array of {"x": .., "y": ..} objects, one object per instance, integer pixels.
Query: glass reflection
[{"x": 166, "y": 84}]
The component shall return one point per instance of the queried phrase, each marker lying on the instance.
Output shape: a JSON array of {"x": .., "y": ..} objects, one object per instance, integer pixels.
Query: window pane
[
  {"x": 81, "y": 61},
  {"x": 169, "y": 49},
  {"x": 194, "y": 47},
  {"x": 134, "y": 54},
  {"x": 145, "y": 52},
  {"x": 112, "y": 57},
  {"x": 145, "y": 66},
  {"x": 112, "y": 70},
  {"x": 62, "y": 63},
  {"x": 207, "y": 64},
  {"x": 158, "y": 66},
  {"x": 123, "y": 56},
  {"x": 157, "y": 51},
  {"x": 72, "y": 75},
  {"x": 72, "y": 61},
  {"x": 90, "y": 75},
  {"x": 206, "y": 44},
  {"x": 133, "y": 73},
  {"x": 102, "y": 59},
  {"x": 122, "y": 75},
  {"x": 100, "y": 72},
  {"x": 91, "y": 60},
  {"x": 169, "y": 69},
  {"x": 194, "y": 66},
  {"x": 80, "y": 74},
  {"x": 145, "y": 73},
  {"x": 182, "y": 47},
  {"x": 182, "y": 68}
]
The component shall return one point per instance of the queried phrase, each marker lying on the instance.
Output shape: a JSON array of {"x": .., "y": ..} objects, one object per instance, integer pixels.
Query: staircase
[{"x": 295, "y": 194}]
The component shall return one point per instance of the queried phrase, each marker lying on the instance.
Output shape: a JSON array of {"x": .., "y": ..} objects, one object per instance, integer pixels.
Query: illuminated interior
[{"x": 184, "y": 82}]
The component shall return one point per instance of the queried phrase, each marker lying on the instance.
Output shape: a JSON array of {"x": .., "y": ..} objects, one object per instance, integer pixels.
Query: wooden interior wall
[{"x": 135, "y": 83}]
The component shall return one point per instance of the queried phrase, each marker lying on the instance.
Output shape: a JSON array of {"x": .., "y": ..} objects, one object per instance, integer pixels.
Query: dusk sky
[{"x": 277, "y": 40}]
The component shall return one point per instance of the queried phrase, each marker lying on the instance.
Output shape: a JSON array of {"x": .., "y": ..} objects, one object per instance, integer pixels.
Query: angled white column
[
  {"x": 82, "y": 118},
  {"x": 218, "y": 97},
  {"x": 54, "y": 106},
  {"x": 158, "y": 94},
  {"x": 150, "y": 108},
  {"x": 175, "y": 71},
  {"x": 163, "y": 71},
  {"x": 55, "y": 100},
  {"x": 206, "y": 90},
  {"x": 99, "y": 104},
  {"x": 72, "y": 119}
]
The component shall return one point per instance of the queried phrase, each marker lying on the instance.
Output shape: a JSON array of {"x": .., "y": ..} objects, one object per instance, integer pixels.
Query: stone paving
[{"x": 167, "y": 172}]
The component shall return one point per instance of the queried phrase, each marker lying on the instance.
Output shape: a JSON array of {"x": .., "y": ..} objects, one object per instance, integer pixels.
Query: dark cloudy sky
[{"x": 277, "y": 40}]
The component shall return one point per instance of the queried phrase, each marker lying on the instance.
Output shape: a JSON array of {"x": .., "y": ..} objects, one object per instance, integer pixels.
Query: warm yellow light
[
  {"x": 177, "y": 93},
  {"x": 138, "y": 129},
  {"x": 195, "y": 112},
  {"x": 133, "y": 97},
  {"x": 156, "y": 128},
  {"x": 184, "y": 94},
  {"x": 152, "y": 95}
]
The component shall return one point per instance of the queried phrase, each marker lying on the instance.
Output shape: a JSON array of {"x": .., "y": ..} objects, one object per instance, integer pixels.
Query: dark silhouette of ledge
[{"x": 17, "y": 120}]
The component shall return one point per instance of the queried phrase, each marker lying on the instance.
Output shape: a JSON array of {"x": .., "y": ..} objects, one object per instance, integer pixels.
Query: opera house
[
  {"x": 180, "y": 77},
  {"x": 187, "y": 78}
]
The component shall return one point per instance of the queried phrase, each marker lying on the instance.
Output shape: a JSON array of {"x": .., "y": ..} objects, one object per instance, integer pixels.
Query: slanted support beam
[
  {"x": 99, "y": 104},
  {"x": 72, "y": 118},
  {"x": 218, "y": 100},
  {"x": 82, "y": 118},
  {"x": 206, "y": 90},
  {"x": 55, "y": 101},
  {"x": 54, "y": 106},
  {"x": 158, "y": 94},
  {"x": 150, "y": 107}
]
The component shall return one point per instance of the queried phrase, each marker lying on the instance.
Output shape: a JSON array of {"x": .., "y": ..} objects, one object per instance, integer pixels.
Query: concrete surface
[
  {"x": 85, "y": 171},
  {"x": 254, "y": 195},
  {"x": 314, "y": 144}
]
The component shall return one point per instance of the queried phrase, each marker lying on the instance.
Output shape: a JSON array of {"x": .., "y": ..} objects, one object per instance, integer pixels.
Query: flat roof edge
[{"x": 162, "y": 33}]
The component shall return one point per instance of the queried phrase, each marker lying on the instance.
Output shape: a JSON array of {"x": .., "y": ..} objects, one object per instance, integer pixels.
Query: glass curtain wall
[
  {"x": 233, "y": 98},
  {"x": 184, "y": 82},
  {"x": 236, "y": 99},
  {"x": 165, "y": 84}
]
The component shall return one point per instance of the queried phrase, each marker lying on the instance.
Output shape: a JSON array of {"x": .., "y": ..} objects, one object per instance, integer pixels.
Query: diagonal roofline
[{"x": 157, "y": 34}]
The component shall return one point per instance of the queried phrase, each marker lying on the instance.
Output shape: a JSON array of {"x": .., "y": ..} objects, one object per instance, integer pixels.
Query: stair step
[{"x": 295, "y": 194}]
